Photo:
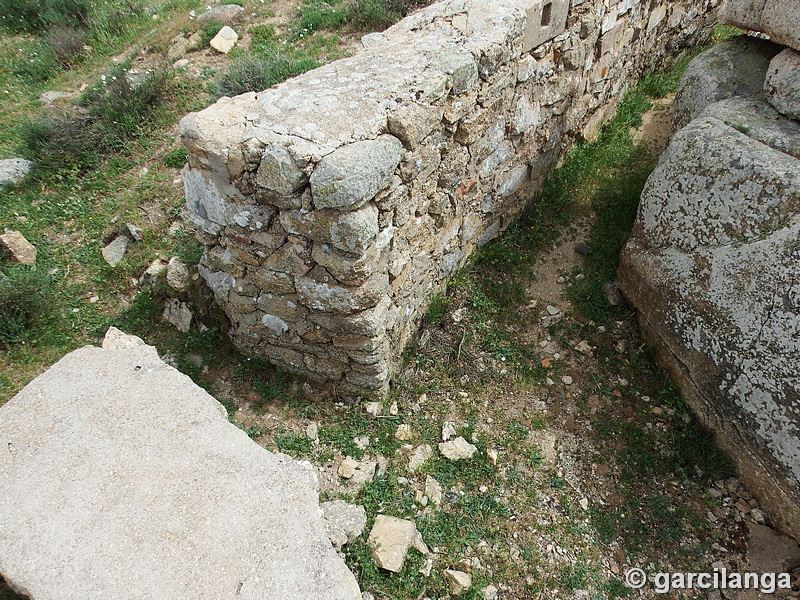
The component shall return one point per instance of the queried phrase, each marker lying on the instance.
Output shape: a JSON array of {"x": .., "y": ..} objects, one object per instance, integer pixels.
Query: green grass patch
[{"x": 26, "y": 304}]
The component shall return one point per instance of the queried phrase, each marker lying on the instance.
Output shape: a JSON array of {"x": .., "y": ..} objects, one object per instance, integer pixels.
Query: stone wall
[{"x": 333, "y": 206}]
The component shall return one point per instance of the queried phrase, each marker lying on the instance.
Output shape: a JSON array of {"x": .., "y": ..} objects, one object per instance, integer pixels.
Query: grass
[
  {"x": 356, "y": 15},
  {"x": 25, "y": 308}
]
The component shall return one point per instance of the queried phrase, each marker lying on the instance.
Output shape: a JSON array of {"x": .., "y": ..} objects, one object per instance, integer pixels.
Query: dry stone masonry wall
[{"x": 333, "y": 206}]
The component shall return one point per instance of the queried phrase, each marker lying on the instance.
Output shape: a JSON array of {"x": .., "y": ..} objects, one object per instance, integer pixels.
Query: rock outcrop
[
  {"x": 122, "y": 479},
  {"x": 333, "y": 206},
  {"x": 778, "y": 19},
  {"x": 14, "y": 170},
  {"x": 713, "y": 267}
]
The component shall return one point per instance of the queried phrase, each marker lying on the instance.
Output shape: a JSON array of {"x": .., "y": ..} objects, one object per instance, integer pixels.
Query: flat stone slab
[{"x": 122, "y": 479}]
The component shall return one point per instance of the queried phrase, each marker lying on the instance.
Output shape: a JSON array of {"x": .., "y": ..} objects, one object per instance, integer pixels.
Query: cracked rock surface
[{"x": 104, "y": 497}]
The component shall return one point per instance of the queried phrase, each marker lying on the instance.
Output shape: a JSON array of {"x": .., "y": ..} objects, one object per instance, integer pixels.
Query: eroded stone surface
[
  {"x": 353, "y": 174},
  {"x": 734, "y": 67},
  {"x": 105, "y": 498},
  {"x": 783, "y": 83},
  {"x": 344, "y": 522},
  {"x": 14, "y": 170},
  {"x": 777, "y": 18},
  {"x": 225, "y": 40},
  {"x": 712, "y": 265}
]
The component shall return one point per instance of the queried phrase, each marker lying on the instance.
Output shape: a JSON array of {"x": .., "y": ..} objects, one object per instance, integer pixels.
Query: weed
[
  {"x": 319, "y": 14},
  {"x": 67, "y": 43},
  {"x": 534, "y": 458},
  {"x": 437, "y": 310},
  {"x": 375, "y": 15},
  {"x": 208, "y": 32},
  {"x": 39, "y": 64},
  {"x": 59, "y": 141},
  {"x": 342, "y": 435},
  {"x": 25, "y": 304},
  {"x": 176, "y": 158},
  {"x": 117, "y": 111},
  {"x": 298, "y": 446},
  {"x": 36, "y": 16},
  {"x": 125, "y": 107},
  {"x": 252, "y": 72},
  {"x": 572, "y": 577}
]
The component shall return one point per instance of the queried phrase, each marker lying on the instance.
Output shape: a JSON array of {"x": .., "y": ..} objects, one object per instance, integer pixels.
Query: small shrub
[
  {"x": 176, "y": 158},
  {"x": 209, "y": 32},
  {"x": 24, "y": 305},
  {"x": 373, "y": 15},
  {"x": 115, "y": 113},
  {"x": 59, "y": 141},
  {"x": 67, "y": 44},
  {"x": 256, "y": 72},
  {"x": 125, "y": 107}
]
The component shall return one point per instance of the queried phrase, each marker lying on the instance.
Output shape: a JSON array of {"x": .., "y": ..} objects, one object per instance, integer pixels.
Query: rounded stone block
[{"x": 354, "y": 174}]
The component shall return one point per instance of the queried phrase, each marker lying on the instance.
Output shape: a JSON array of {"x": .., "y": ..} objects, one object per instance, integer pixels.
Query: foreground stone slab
[
  {"x": 713, "y": 267},
  {"x": 123, "y": 480},
  {"x": 390, "y": 540},
  {"x": 783, "y": 83}
]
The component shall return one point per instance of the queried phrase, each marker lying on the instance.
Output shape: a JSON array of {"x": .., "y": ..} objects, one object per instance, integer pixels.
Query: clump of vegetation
[
  {"x": 24, "y": 304},
  {"x": 253, "y": 72},
  {"x": 66, "y": 31},
  {"x": 34, "y": 16},
  {"x": 116, "y": 111},
  {"x": 176, "y": 158},
  {"x": 59, "y": 141},
  {"x": 359, "y": 15}
]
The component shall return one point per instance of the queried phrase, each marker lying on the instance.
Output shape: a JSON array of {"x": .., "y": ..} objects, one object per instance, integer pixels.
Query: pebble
[
  {"x": 552, "y": 310},
  {"x": 566, "y": 380},
  {"x": 448, "y": 430},
  {"x": 403, "y": 432}
]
